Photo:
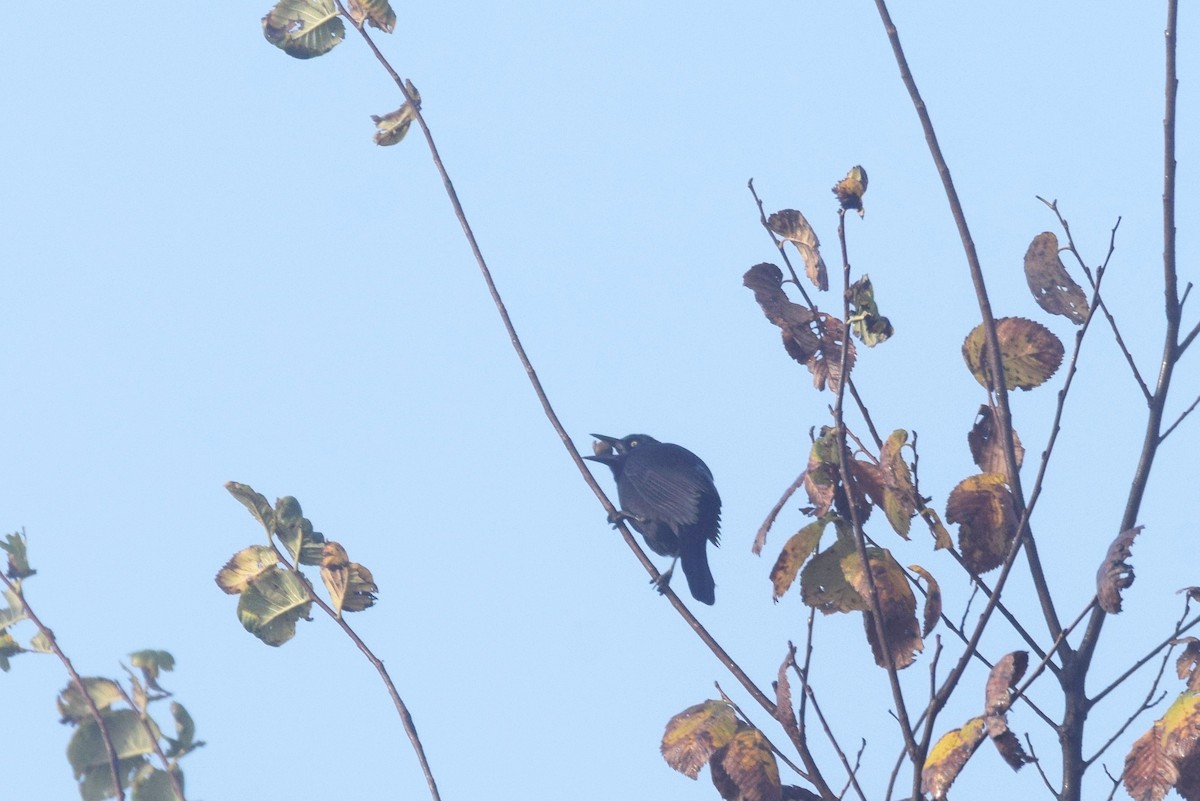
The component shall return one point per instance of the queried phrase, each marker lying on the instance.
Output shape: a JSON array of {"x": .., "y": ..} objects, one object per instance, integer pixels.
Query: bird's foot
[
  {"x": 663, "y": 581},
  {"x": 619, "y": 517}
]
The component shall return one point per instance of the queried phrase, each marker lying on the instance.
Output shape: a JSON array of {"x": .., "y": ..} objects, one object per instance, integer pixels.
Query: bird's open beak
[{"x": 600, "y": 456}]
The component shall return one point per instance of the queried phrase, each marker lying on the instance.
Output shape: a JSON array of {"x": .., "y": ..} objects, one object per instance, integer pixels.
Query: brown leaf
[
  {"x": 1149, "y": 771},
  {"x": 897, "y": 606},
  {"x": 695, "y": 734},
  {"x": 746, "y": 770},
  {"x": 1029, "y": 352},
  {"x": 941, "y": 537},
  {"x": 1052, "y": 288},
  {"x": 1115, "y": 574},
  {"x": 947, "y": 758},
  {"x": 826, "y": 363},
  {"x": 791, "y": 226},
  {"x": 987, "y": 450},
  {"x": 983, "y": 508},
  {"x": 794, "y": 554},
  {"x": 1186, "y": 662},
  {"x": 933, "y": 599},
  {"x": 1004, "y": 675},
  {"x": 785, "y": 713},
  {"x": 1010, "y": 748},
  {"x": 850, "y": 190},
  {"x": 795, "y": 321}
]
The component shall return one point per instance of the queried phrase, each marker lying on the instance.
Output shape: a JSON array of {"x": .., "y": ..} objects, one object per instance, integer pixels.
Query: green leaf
[
  {"x": 304, "y": 28},
  {"x": 866, "y": 322},
  {"x": 18, "y": 560},
  {"x": 8, "y": 647},
  {"x": 255, "y": 502},
  {"x": 795, "y": 552},
  {"x": 150, "y": 662},
  {"x": 129, "y": 739},
  {"x": 73, "y": 707},
  {"x": 394, "y": 125},
  {"x": 246, "y": 565},
  {"x": 184, "y": 740},
  {"x": 271, "y": 605},
  {"x": 156, "y": 785}
]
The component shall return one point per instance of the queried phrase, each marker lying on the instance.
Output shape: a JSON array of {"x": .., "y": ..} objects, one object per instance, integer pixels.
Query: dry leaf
[{"x": 1052, "y": 288}]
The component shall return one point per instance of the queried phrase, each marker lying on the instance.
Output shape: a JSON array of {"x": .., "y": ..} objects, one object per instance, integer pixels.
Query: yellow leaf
[
  {"x": 304, "y": 28},
  {"x": 794, "y": 554},
  {"x": 933, "y": 599},
  {"x": 695, "y": 734},
  {"x": 1029, "y": 352},
  {"x": 850, "y": 190},
  {"x": 823, "y": 584},
  {"x": 245, "y": 566},
  {"x": 947, "y": 758}
]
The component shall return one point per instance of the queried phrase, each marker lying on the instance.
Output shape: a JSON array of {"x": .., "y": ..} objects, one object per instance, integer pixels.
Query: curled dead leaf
[
  {"x": 1115, "y": 574},
  {"x": 1052, "y": 288}
]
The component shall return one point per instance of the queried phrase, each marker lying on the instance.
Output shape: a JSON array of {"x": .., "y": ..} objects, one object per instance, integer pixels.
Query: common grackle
[{"x": 667, "y": 494}]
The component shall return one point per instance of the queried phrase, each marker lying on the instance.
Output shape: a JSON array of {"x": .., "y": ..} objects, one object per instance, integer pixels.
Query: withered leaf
[
  {"x": 947, "y": 758},
  {"x": 1149, "y": 771},
  {"x": 794, "y": 554},
  {"x": 785, "y": 713},
  {"x": 791, "y": 226},
  {"x": 899, "y": 496},
  {"x": 1187, "y": 662},
  {"x": 933, "y": 599},
  {"x": 1029, "y": 352},
  {"x": 393, "y": 126},
  {"x": 351, "y": 586},
  {"x": 865, "y": 320},
  {"x": 984, "y": 442},
  {"x": 1115, "y": 574},
  {"x": 1004, "y": 675},
  {"x": 1009, "y": 746},
  {"x": 982, "y": 507},
  {"x": 795, "y": 321},
  {"x": 823, "y": 475},
  {"x": 377, "y": 13},
  {"x": 850, "y": 190},
  {"x": 695, "y": 734},
  {"x": 746, "y": 769},
  {"x": 941, "y": 537},
  {"x": 1052, "y": 288},
  {"x": 897, "y": 606},
  {"x": 826, "y": 363},
  {"x": 1167, "y": 756}
]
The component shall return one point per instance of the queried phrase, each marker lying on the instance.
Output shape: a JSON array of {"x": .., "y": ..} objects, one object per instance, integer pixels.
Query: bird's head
[{"x": 604, "y": 447}]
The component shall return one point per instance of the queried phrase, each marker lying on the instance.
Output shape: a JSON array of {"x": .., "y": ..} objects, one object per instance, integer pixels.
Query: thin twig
[
  {"x": 406, "y": 720},
  {"x": 15, "y": 591},
  {"x": 1178, "y": 420},
  {"x": 1094, "y": 280},
  {"x": 144, "y": 718},
  {"x": 1136, "y": 666},
  {"x": 762, "y": 216},
  {"x": 771, "y": 745},
  {"x": 760, "y": 539},
  {"x": 540, "y": 392},
  {"x": 1037, "y": 763},
  {"x": 52, "y": 642},
  {"x": 811, "y": 696},
  {"x": 881, "y": 633}
]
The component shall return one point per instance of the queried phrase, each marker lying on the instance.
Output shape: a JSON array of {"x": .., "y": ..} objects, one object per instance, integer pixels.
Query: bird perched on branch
[{"x": 667, "y": 494}]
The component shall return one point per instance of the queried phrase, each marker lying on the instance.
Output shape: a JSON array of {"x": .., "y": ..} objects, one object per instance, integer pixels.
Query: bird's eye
[{"x": 633, "y": 443}]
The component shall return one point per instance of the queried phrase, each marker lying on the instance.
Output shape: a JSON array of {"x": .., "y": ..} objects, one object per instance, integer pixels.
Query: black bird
[{"x": 668, "y": 494}]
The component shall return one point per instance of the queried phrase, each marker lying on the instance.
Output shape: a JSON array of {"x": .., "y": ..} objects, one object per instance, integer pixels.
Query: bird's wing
[{"x": 671, "y": 484}]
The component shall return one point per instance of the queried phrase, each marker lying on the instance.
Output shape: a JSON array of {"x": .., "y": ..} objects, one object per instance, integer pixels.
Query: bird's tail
[{"x": 693, "y": 554}]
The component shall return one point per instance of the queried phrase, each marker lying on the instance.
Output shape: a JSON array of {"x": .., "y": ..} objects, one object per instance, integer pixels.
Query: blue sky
[{"x": 212, "y": 274}]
